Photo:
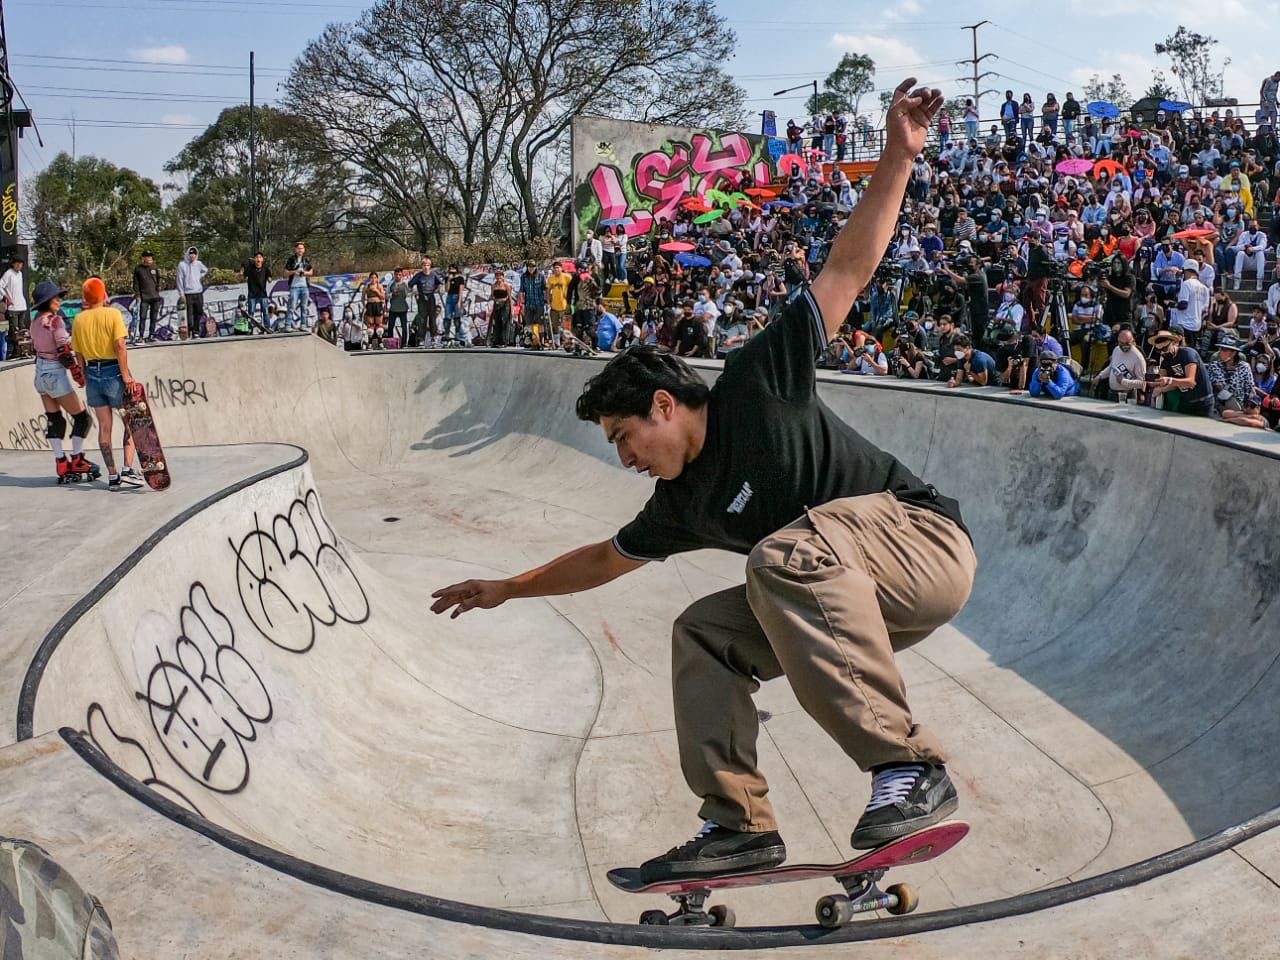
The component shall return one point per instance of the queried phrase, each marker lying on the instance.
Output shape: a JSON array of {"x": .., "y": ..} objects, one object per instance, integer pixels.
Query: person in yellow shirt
[
  {"x": 98, "y": 338},
  {"x": 558, "y": 297}
]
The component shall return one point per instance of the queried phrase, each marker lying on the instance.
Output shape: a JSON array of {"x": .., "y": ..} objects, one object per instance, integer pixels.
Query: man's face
[
  {"x": 1125, "y": 341},
  {"x": 300, "y": 249},
  {"x": 656, "y": 444},
  {"x": 192, "y": 256},
  {"x": 148, "y": 261},
  {"x": 257, "y": 260},
  {"x": 426, "y": 264}
]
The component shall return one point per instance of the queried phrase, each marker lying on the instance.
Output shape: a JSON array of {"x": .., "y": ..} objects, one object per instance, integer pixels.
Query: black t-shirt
[
  {"x": 1038, "y": 260},
  {"x": 453, "y": 285},
  {"x": 257, "y": 279},
  {"x": 1176, "y": 366},
  {"x": 772, "y": 449},
  {"x": 693, "y": 334},
  {"x": 146, "y": 281}
]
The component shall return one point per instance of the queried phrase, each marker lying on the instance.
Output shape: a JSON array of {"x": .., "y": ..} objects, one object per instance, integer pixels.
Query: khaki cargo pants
[{"x": 828, "y": 599}]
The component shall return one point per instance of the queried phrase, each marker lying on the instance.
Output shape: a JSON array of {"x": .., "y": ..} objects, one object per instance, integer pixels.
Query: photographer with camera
[
  {"x": 1010, "y": 313},
  {"x": 1086, "y": 316},
  {"x": 909, "y": 361},
  {"x": 946, "y": 358},
  {"x": 1014, "y": 357},
  {"x": 1117, "y": 286},
  {"x": 1053, "y": 379},
  {"x": 950, "y": 298},
  {"x": 973, "y": 367},
  {"x": 1180, "y": 377}
]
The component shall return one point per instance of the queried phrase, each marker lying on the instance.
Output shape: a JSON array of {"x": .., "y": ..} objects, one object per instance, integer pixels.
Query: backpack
[{"x": 50, "y": 916}]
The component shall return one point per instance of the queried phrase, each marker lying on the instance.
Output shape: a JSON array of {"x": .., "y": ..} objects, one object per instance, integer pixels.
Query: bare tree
[{"x": 484, "y": 91}]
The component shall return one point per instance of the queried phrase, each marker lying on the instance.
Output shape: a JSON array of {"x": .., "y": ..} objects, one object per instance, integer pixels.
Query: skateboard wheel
[
  {"x": 908, "y": 899},
  {"x": 834, "y": 911},
  {"x": 654, "y": 918},
  {"x": 722, "y": 916}
]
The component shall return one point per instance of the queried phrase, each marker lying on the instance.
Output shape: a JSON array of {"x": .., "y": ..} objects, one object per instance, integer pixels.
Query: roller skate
[{"x": 81, "y": 468}]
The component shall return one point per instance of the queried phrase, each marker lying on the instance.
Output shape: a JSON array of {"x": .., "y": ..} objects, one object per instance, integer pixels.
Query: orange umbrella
[
  {"x": 762, "y": 192},
  {"x": 1111, "y": 166}
]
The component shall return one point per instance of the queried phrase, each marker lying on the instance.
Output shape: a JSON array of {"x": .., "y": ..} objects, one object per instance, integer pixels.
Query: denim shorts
[
  {"x": 52, "y": 379},
  {"x": 104, "y": 386}
]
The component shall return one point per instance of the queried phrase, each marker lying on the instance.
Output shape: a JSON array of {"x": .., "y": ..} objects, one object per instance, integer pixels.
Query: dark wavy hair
[{"x": 625, "y": 387}]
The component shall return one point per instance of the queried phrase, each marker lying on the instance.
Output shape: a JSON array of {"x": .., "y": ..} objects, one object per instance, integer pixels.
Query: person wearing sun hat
[
  {"x": 100, "y": 340},
  {"x": 51, "y": 344}
]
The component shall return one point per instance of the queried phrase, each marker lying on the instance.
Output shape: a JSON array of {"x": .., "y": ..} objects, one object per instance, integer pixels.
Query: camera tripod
[{"x": 1055, "y": 320}]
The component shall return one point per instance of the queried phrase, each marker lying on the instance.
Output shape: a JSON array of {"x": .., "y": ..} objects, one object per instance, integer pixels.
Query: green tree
[
  {"x": 1112, "y": 91},
  {"x": 91, "y": 217},
  {"x": 300, "y": 191},
  {"x": 1160, "y": 88},
  {"x": 1191, "y": 62},
  {"x": 487, "y": 90},
  {"x": 824, "y": 103}
]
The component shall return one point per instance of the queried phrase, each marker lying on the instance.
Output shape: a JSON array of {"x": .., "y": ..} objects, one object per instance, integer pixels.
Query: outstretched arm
[
  {"x": 582, "y": 569},
  {"x": 855, "y": 254}
]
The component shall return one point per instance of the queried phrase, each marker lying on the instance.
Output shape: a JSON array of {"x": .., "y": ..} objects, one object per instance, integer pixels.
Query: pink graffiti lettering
[
  {"x": 723, "y": 168},
  {"x": 665, "y": 179}
]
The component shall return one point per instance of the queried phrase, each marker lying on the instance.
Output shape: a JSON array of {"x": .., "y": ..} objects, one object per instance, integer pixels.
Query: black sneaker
[
  {"x": 905, "y": 797},
  {"x": 131, "y": 477},
  {"x": 113, "y": 482},
  {"x": 715, "y": 851}
]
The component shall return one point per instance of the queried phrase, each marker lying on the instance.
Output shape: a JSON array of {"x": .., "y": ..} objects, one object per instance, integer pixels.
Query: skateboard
[
  {"x": 142, "y": 427},
  {"x": 575, "y": 346},
  {"x": 859, "y": 877}
]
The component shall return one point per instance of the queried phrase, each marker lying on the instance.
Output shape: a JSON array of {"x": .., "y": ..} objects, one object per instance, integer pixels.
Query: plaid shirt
[{"x": 534, "y": 290}]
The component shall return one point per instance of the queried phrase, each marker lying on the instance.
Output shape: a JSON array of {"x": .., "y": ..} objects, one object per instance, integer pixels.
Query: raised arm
[{"x": 856, "y": 251}]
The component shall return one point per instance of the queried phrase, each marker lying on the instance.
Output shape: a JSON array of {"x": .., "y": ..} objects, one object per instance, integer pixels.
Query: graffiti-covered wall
[{"x": 643, "y": 170}]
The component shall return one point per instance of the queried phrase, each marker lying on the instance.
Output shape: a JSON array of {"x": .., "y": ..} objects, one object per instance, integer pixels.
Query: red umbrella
[
  {"x": 695, "y": 203},
  {"x": 762, "y": 192},
  {"x": 1193, "y": 233},
  {"x": 1110, "y": 166},
  {"x": 677, "y": 246},
  {"x": 1135, "y": 134}
]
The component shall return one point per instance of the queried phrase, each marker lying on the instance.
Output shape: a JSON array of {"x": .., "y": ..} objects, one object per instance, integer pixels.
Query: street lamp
[{"x": 813, "y": 83}]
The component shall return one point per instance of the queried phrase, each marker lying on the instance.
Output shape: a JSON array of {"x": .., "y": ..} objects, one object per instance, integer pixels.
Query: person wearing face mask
[
  {"x": 1117, "y": 285},
  {"x": 1126, "y": 371},
  {"x": 973, "y": 368},
  {"x": 1180, "y": 377},
  {"x": 1166, "y": 268},
  {"x": 1250, "y": 248},
  {"x": 1266, "y": 388},
  {"x": 1086, "y": 316},
  {"x": 1233, "y": 385},
  {"x": 1010, "y": 313},
  {"x": 1052, "y": 379}
]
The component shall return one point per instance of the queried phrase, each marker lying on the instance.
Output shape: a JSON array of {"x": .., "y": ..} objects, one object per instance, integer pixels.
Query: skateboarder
[
  {"x": 850, "y": 556},
  {"x": 99, "y": 339},
  {"x": 52, "y": 346}
]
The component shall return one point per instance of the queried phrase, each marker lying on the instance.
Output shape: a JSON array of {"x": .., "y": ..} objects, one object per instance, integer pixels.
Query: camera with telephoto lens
[
  {"x": 1057, "y": 269},
  {"x": 1092, "y": 270},
  {"x": 889, "y": 269}
]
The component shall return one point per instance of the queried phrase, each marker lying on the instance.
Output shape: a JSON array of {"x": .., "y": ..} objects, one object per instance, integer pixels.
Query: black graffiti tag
[{"x": 292, "y": 577}]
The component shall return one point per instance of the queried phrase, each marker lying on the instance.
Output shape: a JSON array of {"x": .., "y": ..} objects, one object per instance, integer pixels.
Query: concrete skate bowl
[{"x": 264, "y": 668}]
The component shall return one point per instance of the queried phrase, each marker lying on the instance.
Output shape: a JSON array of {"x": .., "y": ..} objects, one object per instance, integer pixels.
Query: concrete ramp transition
[{"x": 262, "y": 668}]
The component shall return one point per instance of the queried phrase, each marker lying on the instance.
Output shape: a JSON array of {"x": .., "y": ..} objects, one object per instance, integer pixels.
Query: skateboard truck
[
  {"x": 862, "y": 894},
  {"x": 691, "y": 912}
]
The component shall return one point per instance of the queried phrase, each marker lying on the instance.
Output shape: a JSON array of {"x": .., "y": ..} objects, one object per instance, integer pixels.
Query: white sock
[
  {"x": 77, "y": 446},
  {"x": 56, "y": 443}
]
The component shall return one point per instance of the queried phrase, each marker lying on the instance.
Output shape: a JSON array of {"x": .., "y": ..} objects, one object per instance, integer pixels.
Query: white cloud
[
  {"x": 885, "y": 51},
  {"x": 904, "y": 10},
  {"x": 178, "y": 119},
  {"x": 170, "y": 54}
]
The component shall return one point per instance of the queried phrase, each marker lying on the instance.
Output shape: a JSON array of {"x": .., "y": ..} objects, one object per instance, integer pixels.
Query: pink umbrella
[
  {"x": 677, "y": 246},
  {"x": 1074, "y": 167},
  {"x": 789, "y": 162}
]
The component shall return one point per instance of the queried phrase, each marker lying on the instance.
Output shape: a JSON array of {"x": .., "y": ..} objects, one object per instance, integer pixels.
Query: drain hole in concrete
[{"x": 390, "y": 519}]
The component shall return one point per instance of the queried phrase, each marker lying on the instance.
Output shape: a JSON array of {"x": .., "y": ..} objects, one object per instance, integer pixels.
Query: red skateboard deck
[
  {"x": 142, "y": 427},
  {"x": 858, "y": 876}
]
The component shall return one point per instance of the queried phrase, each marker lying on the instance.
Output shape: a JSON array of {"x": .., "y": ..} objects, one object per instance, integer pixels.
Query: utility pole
[
  {"x": 253, "y": 164},
  {"x": 12, "y": 122},
  {"x": 975, "y": 62}
]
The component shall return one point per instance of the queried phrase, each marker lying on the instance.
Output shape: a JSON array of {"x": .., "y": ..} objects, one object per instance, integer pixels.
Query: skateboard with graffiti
[
  {"x": 860, "y": 878},
  {"x": 142, "y": 427}
]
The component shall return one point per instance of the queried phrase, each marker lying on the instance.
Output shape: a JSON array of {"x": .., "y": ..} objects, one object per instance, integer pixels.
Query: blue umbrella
[
  {"x": 1176, "y": 106},
  {"x": 692, "y": 260},
  {"x": 785, "y": 204},
  {"x": 1100, "y": 108},
  {"x": 617, "y": 222}
]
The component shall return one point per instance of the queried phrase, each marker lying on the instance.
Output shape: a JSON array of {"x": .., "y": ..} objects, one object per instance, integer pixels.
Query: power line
[{"x": 126, "y": 60}]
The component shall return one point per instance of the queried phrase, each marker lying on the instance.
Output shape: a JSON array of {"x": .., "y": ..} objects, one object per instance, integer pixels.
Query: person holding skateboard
[
  {"x": 850, "y": 556},
  {"x": 100, "y": 340},
  {"x": 52, "y": 346}
]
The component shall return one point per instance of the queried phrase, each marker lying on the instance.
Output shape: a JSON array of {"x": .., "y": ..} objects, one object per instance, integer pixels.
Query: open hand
[
  {"x": 469, "y": 595},
  {"x": 910, "y": 115}
]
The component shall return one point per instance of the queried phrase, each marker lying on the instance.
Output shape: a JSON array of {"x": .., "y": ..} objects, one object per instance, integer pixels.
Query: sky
[{"x": 132, "y": 81}]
